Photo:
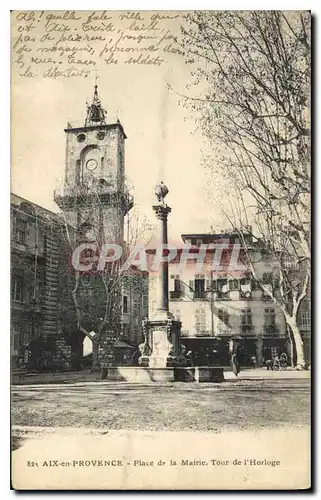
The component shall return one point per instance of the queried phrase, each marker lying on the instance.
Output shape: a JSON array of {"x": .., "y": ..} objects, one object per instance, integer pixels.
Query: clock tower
[
  {"x": 94, "y": 201},
  {"x": 94, "y": 198}
]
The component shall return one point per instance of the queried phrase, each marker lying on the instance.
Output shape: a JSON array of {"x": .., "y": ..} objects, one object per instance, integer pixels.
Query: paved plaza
[{"x": 173, "y": 406}]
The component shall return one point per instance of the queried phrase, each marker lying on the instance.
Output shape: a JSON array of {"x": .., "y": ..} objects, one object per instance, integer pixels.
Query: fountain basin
[{"x": 145, "y": 374}]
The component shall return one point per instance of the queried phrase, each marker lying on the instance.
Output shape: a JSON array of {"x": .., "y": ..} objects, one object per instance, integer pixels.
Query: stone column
[
  {"x": 161, "y": 348},
  {"x": 162, "y": 211}
]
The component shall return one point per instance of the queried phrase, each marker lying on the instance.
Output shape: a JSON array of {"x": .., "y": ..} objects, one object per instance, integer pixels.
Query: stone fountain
[
  {"x": 162, "y": 355},
  {"x": 161, "y": 348}
]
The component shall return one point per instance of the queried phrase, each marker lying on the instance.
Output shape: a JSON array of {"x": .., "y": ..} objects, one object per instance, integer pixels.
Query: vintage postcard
[{"x": 160, "y": 250}]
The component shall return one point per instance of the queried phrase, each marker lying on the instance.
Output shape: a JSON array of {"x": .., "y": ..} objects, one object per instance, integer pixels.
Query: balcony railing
[
  {"x": 175, "y": 294},
  {"x": 104, "y": 190},
  {"x": 199, "y": 294},
  {"x": 202, "y": 333},
  {"x": 271, "y": 329},
  {"x": 246, "y": 329},
  {"x": 221, "y": 331},
  {"x": 222, "y": 295},
  {"x": 265, "y": 298}
]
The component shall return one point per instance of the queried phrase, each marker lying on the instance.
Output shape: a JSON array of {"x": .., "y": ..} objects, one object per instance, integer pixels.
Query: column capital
[{"x": 161, "y": 210}]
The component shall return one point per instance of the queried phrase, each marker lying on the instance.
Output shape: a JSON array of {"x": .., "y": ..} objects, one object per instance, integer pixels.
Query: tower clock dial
[{"x": 91, "y": 164}]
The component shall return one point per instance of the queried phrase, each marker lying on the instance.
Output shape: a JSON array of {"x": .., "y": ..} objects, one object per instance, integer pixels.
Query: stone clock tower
[{"x": 94, "y": 199}]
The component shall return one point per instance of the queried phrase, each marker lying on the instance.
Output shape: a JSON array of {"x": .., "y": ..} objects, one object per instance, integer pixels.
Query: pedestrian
[
  {"x": 268, "y": 358},
  {"x": 189, "y": 357},
  {"x": 235, "y": 363},
  {"x": 269, "y": 364}
]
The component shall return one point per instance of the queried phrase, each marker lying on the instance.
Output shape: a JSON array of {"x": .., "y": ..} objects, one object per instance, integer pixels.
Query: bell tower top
[
  {"x": 95, "y": 157},
  {"x": 96, "y": 115},
  {"x": 94, "y": 189}
]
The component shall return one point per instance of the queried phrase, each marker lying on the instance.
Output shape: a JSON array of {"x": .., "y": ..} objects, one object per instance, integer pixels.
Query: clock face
[{"x": 91, "y": 164}]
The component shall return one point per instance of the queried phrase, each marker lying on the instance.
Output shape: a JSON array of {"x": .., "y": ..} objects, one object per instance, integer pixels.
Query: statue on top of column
[{"x": 161, "y": 191}]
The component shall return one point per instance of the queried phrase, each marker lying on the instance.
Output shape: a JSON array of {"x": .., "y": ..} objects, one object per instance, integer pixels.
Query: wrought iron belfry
[{"x": 96, "y": 115}]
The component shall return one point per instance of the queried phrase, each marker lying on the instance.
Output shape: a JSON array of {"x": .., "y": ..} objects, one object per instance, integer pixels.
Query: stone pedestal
[
  {"x": 140, "y": 374},
  {"x": 161, "y": 348},
  {"x": 146, "y": 375},
  {"x": 199, "y": 374}
]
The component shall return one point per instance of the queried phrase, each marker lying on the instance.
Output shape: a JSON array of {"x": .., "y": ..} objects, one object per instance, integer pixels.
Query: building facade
[
  {"x": 53, "y": 303},
  {"x": 44, "y": 332},
  {"x": 36, "y": 243},
  {"x": 222, "y": 308}
]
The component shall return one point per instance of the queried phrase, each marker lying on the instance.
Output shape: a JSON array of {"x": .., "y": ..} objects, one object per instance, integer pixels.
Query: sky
[{"x": 162, "y": 144}]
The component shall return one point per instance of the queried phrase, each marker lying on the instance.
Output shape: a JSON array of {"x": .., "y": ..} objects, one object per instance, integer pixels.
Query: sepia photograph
[{"x": 160, "y": 222}]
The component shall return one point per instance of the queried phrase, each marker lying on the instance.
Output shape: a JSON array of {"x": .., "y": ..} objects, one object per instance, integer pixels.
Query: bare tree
[
  {"x": 253, "y": 73},
  {"x": 286, "y": 285},
  {"x": 97, "y": 294}
]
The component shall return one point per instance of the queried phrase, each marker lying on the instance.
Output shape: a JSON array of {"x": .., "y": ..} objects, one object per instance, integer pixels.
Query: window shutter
[
  {"x": 234, "y": 284},
  {"x": 191, "y": 285}
]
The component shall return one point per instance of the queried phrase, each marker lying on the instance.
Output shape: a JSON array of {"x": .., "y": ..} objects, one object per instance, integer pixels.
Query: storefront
[
  {"x": 273, "y": 347},
  {"x": 207, "y": 351},
  {"x": 217, "y": 351},
  {"x": 247, "y": 349}
]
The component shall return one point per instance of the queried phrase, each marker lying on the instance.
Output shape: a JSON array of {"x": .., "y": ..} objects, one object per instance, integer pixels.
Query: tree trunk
[
  {"x": 298, "y": 344},
  {"x": 77, "y": 352},
  {"x": 95, "y": 363},
  {"x": 292, "y": 346}
]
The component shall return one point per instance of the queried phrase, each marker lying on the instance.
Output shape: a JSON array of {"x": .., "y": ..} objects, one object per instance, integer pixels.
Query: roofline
[
  {"x": 95, "y": 127},
  {"x": 208, "y": 235},
  {"x": 33, "y": 203}
]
